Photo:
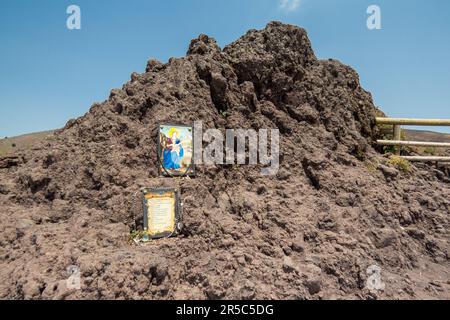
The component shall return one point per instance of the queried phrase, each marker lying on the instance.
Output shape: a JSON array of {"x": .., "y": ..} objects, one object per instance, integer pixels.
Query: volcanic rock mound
[{"x": 335, "y": 209}]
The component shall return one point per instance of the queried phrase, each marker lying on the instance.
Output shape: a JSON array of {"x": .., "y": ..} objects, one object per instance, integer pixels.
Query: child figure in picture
[{"x": 173, "y": 151}]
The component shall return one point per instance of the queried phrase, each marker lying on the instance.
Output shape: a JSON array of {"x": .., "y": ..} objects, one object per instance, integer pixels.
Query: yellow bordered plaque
[{"x": 161, "y": 212}]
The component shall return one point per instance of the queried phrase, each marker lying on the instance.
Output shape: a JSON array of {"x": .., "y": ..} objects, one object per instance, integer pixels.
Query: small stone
[
  {"x": 439, "y": 174},
  {"x": 203, "y": 45},
  {"x": 298, "y": 245},
  {"x": 287, "y": 250},
  {"x": 31, "y": 289},
  {"x": 283, "y": 174},
  {"x": 388, "y": 171},
  {"x": 241, "y": 260},
  {"x": 288, "y": 265},
  {"x": 134, "y": 76},
  {"x": 385, "y": 238},
  {"x": 158, "y": 271},
  {"x": 247, "y": 292},
  {"x": 314, "y": 286},
  {"x": 154, "y": 65},
  {"x": 248, "y": 258},
  {"x": 261, "y": 190},
  {"x": 416, "y": 233},
  {"x": 215, "y": 291}
]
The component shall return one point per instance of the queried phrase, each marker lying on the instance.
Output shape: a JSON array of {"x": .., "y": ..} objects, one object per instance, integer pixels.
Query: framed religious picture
[
  {"x": 161, "y": 212},
  {"x": 176, "y": 150}
]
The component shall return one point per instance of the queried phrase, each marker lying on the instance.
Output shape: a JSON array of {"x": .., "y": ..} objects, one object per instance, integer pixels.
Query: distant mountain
[
  {"x": 10, "y": 145},
  {"x": 419, "y": 135}
]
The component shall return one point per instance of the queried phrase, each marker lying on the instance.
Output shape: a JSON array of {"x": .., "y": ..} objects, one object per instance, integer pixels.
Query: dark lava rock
[{"x": 326, "y": 207}]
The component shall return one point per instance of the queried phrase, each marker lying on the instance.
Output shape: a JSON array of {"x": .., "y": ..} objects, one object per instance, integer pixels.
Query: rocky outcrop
[{"x": 335, "y": 208}]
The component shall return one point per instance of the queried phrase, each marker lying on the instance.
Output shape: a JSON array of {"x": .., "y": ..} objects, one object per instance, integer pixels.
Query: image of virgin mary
[{"x": 173, "y": 151}]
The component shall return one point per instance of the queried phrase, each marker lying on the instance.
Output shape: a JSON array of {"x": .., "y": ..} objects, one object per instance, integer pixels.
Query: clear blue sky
[{"x": 49, "y": 74}]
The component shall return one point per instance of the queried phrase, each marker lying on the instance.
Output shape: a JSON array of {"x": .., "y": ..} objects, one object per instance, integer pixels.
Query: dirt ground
[{"x": 336, "y": 208}]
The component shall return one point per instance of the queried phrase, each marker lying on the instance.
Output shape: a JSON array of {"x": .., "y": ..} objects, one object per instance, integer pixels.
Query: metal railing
[{"x": 398, "y": 142}]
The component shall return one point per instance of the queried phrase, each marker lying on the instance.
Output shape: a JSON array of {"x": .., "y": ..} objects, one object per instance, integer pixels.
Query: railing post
[
  {"x": 398, "y": 137},
  {"x": 398, "y": 142}
]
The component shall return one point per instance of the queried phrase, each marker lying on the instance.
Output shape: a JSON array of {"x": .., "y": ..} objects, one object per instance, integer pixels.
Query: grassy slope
[
  {"x": 23, "y": 142},
  {"x": 416, "y": 135},
  {"x": 427, "y": 136}
]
